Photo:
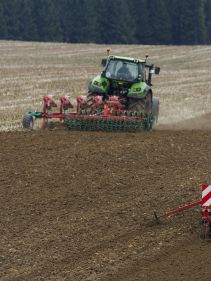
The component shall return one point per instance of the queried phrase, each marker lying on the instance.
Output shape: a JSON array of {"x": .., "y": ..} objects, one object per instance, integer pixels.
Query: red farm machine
[
  {"x": 205, "y": 203},
  {"x": 119, "y": 99}
]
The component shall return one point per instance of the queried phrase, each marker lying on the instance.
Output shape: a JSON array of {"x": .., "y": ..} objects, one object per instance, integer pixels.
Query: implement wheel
[
  {"x": 28, "y": 122},
  {"x": 205, "y": 231}
]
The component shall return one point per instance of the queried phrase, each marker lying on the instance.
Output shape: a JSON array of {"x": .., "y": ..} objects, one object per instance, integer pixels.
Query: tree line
[{"x": 107, "y": 21}]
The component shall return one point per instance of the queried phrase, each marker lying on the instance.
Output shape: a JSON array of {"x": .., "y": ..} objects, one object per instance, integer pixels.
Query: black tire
[
  {"x": 155, "y": 111},
  {"x": 141, "y": 105},
  {"x": 28, "y": 122},
  {"x": 205, "y": 231}
]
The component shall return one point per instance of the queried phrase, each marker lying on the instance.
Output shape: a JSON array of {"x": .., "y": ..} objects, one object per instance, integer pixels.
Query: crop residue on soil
[{"x": 79, "y": 206}]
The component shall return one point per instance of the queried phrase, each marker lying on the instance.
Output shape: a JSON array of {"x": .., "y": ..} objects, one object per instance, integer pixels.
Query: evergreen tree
[
  {"x": 3, "y": 24},
  {"x": 28, "y": 28},
  {"x": 208, "y": 20},
  {"x": 107, "y": 21},
  {"x": 115, "y": 24},
  {"x": 188, "y": 21},
  {"x": 11, "y": 12},
  {"x": 173, "y": 8},
  {"x": 200, "y": 27},
  {"x": 159, "y": 22},
  {"x": 90, "y": 30},
  {"x": 141, "y": 15},
  {"x": 47, "y": 20},
  {"x": 74, "y": 21}
]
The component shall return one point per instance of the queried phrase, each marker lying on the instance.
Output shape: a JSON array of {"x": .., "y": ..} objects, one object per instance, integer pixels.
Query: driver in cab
[{"x": 124, "y": 72}]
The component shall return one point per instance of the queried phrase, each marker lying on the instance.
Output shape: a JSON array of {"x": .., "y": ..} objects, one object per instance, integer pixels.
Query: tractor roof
[{"x": 127, "y": 59}]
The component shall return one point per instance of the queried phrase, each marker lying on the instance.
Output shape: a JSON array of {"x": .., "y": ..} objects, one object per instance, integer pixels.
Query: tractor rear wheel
[
  {"x": 155, "y": 110},
  {"x": 141, "y": 105},
  {"x": 28, "y": 122}
]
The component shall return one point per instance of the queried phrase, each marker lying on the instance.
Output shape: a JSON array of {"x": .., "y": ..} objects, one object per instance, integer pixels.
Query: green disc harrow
[{"x": 99, "y": 123}]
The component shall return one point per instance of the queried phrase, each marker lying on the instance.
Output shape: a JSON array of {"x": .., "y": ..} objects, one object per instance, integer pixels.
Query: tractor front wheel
[{"x": 28, "y": 122}]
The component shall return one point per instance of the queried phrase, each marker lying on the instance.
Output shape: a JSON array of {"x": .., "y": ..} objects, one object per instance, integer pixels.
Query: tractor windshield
[{"x": 122, "y": 70}]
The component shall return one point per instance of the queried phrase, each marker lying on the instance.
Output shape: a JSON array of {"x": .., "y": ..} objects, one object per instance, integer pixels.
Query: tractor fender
[
  {"x": 155, "y": 103},
  {"x": 147, "y": 91},
  {"x": 99, "y": 85}
]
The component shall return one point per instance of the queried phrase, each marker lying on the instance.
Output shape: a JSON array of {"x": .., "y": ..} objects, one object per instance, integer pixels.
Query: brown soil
[
  {"x": 202, "y": 122},
  {"x": 79, "y": 205}
]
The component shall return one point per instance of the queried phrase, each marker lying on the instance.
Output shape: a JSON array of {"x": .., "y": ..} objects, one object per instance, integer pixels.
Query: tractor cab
[
  {"x": 123, "y": 76},
  {"x": 124, "y": 69}
]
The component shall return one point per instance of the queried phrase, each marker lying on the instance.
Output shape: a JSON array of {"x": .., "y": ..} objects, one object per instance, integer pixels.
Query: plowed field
[{"x": 79, "y": 205}]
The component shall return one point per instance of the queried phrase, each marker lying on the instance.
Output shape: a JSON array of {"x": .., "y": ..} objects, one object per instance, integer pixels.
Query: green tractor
[{"x": 130, "y": 81}]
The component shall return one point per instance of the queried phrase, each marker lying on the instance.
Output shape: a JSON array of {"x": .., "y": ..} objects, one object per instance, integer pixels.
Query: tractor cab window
[{"x": 122, "y": 70}]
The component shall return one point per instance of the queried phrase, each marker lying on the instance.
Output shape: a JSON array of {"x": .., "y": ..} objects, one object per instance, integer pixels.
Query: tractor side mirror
[
  {"x": 104, "y": 62},
  {"x": 157, "y": 70}
]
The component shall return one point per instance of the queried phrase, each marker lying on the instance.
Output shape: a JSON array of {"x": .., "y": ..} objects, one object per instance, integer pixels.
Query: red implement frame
[
  {"x": 65, "y": 104},
  {"x": 181, "y": 209},
  {"x": 206, "y": 210}
]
